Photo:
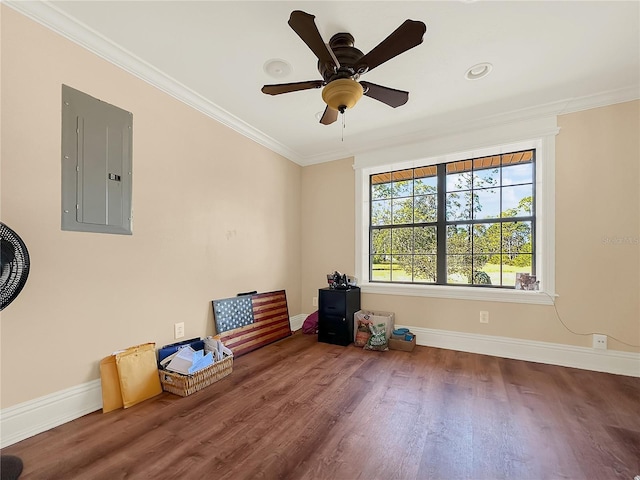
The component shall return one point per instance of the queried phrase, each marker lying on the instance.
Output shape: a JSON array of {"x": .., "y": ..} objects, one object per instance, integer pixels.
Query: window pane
[
  {"x": 516, "y": 174},
  {"x": 425, "y": 208},
  {"x": 381, "y": 212},
  {"x": 458, "y": 239},
  {"x": 486, "y": 162},
  {"x": 488, "y": 177},
  {"x": 381, "y": 191},
  {"x": 486, "y": 203},
  {"x": 480, "y": 276},
  {"x": 403, "y": 188},
  {"x": 459, "y": 260},
  {"x": 380, "y": 271},
  {"x": 517, "y": 157},
  {"x": 516, "y": 239},
  {"x": 425, "y": 268},
  {"x": 459, "y": 181},
  {"x": 402, "y": 240},
  {"x": 493, "y": 270},
  {"x": 459, "y": 269},
  {"x": 522, "y": 262},
  {"x": 400, "y": 175},
  {"x": 425, "y": 240},
  {"x": 381, "y": 241},
  {"x": 402, "y": 268},
  {"x": 425, "y": 185},
  {"x": 516, "y": 201},
  {"x": 402, "y": 210},
  {"x": 458, "y": 167},
  {"x": 486, "y": 238},
  {"x": 459, "y": 206}
]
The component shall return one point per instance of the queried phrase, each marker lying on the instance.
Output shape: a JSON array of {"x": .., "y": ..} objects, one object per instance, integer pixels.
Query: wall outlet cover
[
  {"x": 178, "y": 330},
  {"x": 599, "y": 341}
]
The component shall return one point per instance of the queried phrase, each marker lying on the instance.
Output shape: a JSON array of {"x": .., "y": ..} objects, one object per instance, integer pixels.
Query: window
[
  {"x": 467, "y": 222},
  {"x": 389, "y": 180}
]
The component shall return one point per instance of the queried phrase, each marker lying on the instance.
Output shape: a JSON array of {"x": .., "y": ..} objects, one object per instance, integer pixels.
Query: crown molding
[
  {"x": 51, "y": 17},
  {"x": 56, "y": 20},
  {"x": 441, "y": 128},
  {"x": 602, "y": 99}
]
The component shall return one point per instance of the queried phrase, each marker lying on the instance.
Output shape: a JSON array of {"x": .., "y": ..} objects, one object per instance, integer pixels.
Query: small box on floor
[{"x": 402, "y": 339}]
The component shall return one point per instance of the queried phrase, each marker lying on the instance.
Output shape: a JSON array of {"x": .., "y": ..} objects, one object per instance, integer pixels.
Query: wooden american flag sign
[{"x": 270, "y": 321}]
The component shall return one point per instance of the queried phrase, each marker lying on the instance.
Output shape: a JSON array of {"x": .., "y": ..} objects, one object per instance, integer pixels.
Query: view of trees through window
[{"x": 469, "y": 222}]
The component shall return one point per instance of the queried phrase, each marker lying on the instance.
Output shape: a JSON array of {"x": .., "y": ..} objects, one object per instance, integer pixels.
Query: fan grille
[{"x": 14, "y": 267}]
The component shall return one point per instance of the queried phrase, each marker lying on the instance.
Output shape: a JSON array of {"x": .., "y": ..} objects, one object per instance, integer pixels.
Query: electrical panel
[{"x": 96, "y": 165}]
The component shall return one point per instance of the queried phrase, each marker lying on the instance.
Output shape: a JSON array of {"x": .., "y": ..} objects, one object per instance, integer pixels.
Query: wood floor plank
[{"x": 299, "y": 409}]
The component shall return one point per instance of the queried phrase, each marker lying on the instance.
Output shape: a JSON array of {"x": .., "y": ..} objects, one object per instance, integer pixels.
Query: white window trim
[{"x": 531, "y": 133}]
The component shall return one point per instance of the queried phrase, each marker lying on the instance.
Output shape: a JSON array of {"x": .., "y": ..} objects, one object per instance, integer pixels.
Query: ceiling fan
[{"x": 341, "y": 64}]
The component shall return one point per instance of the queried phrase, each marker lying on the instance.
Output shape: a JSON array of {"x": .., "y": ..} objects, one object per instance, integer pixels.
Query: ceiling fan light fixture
[{"x": 342, "y": 93}]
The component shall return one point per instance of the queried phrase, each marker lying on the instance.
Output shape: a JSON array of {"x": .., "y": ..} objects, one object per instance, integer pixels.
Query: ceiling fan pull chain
[{"x": 343, "y": 120}]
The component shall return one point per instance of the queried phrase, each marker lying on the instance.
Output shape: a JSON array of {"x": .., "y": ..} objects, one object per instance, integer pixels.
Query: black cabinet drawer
[
  {"x": 332, "y": 329},
  {"x": 332, "y": 304}
]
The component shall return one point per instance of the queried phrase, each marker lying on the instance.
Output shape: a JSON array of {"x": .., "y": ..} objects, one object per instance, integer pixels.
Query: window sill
[{"x": 460, "y": 293}]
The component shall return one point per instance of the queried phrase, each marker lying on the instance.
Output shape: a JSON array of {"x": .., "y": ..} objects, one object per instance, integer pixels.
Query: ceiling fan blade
[
  {"x": 329, "y": 116},
  {"x": 392, "y": 97},
  {"x": 405, "y": 37},
  {"x": 304, "y": 25},
  {"x": 291, "y": 87}
]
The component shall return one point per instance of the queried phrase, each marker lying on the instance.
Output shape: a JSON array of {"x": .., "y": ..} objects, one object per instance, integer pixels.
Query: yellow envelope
[
  {"x": 111, "y": 394},
  {"x": 138, "y": 374}
]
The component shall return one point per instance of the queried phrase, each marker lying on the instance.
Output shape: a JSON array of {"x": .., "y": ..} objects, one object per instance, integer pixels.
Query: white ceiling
[{"x": 211, "y": 54}]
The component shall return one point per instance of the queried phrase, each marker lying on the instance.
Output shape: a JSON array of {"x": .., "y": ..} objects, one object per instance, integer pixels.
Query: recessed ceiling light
[
  {"x": 478, "y": 71},
  {"x": 277, "y": 68}
]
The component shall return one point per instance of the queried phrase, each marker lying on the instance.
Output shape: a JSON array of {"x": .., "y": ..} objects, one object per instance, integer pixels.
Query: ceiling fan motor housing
[
  {"x": 342, "y": 90},
  {"x": 341, "y": 45}
]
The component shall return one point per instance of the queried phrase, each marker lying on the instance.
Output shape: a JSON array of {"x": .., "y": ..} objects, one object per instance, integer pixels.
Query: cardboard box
[
  {"x": 404, "y": 345},
  {"x": 388, "y": 318}
]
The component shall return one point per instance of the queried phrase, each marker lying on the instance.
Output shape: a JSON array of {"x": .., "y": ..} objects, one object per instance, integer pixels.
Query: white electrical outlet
[
  {"x": 178, "y": 330},
  {"x": 599, "y": 341},
  {"x": 314, "y": 301},
  {"x": 484, "y": 316}
]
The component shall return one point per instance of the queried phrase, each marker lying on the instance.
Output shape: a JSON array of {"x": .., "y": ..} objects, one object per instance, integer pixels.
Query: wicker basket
[{"x": 185, "y": 385}]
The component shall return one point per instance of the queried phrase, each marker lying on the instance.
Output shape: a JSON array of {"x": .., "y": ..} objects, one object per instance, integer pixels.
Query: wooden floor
[{"x": 298, "y": 409}]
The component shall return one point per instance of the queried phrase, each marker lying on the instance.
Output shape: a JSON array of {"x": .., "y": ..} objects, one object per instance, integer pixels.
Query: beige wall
[
  {"x": 328, "y": 218},
  {"x": 597, "y": 197},
  {"x": 214, "y": 214},
  {"x": 598, "y": 221}
]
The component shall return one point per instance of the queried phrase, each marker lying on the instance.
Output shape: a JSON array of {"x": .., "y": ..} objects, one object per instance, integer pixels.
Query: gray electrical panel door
[{"x": 96, "y": 165}]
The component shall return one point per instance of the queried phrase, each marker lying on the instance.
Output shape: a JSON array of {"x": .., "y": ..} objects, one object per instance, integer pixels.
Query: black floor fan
[{"x": 14, "y": 270}]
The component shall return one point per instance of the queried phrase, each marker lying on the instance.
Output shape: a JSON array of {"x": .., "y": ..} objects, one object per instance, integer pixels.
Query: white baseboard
[
  {"x": 609, "y": 361},
  {"x": 41, "y": 414},
  {"x": 297, "y": 320}
]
